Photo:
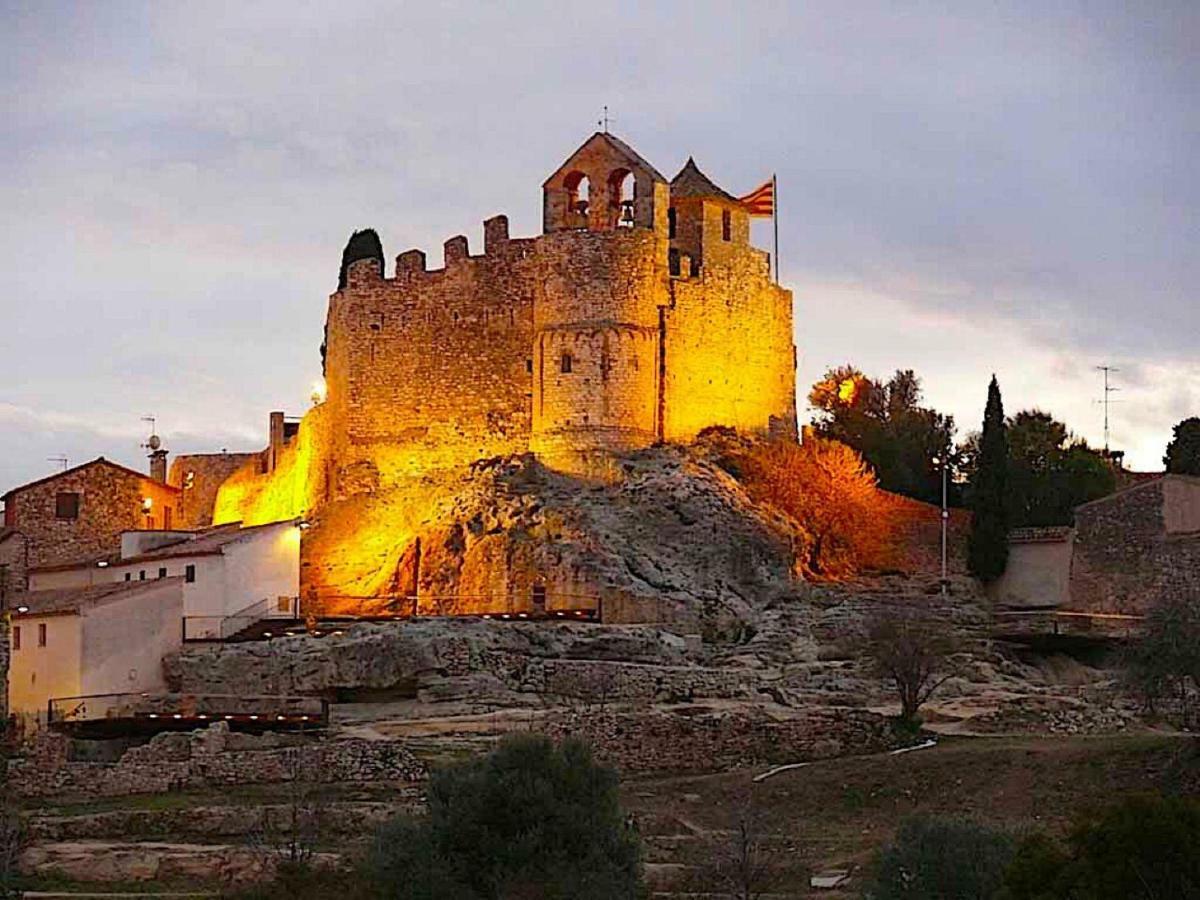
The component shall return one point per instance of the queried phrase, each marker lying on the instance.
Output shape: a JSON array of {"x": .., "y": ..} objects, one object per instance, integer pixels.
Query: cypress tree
[
  {"x": 988, "y": 547},
  {"x": 363, "y": 244}
]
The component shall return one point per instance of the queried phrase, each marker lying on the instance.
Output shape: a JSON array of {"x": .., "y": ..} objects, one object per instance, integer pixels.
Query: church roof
[
  {"x": 622, "y": 149},
  {"x": 691, "y": 182}
]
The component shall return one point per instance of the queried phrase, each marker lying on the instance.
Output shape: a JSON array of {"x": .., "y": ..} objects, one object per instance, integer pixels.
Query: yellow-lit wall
[
  {"x": 38, "y": 673},
  {"x": 292, "y": 490},
  {"x": 730, "y": 357}
]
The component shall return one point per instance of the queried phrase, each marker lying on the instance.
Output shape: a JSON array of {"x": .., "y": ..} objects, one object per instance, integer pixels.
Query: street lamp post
[{"x": 944, "y": 463}]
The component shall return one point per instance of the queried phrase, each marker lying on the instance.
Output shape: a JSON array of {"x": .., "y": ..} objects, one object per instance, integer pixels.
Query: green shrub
[
  {"x": 529, "y": 820},
  {"x": 942, "y": 859},
  {"x": 1142, "y": 848}
]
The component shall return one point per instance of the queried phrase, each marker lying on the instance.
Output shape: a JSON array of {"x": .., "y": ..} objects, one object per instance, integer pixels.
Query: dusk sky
[{"x": 965, "y": 188}]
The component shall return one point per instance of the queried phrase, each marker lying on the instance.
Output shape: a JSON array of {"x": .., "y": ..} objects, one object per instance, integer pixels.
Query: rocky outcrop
[
  {"x": 672, "y": 538},
  {"x": 404, "y": 656}
]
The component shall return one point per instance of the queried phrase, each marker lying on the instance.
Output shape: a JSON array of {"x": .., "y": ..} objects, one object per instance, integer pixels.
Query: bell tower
[{"x": 604, "y": 185}]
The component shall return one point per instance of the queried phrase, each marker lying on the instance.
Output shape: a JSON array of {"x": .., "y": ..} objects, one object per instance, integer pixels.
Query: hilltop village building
[
  {"x": 1125, "y": 553},
  {"x": 640, "y": 316},
  {"x": 102, "y": 626},
  {"x": 81, "y": 513}
]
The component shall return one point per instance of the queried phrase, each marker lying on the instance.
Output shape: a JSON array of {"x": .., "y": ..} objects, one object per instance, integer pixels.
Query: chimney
[
  {"x": 158, "y": 466},
  {"x": 275, "y": 438}
]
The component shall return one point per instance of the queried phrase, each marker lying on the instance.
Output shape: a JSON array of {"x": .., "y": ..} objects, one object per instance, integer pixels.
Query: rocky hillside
[{"x": 673, "y": 537}]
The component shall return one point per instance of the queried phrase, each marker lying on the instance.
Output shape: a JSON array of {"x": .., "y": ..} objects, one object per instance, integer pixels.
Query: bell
[{"x": 627, "y": 212}]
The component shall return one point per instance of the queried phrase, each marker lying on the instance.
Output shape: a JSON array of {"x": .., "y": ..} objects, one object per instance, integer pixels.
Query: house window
[
  {"x": 566, "y": 364},
  {"x": 142, "y": 575},
  {"x": 189, "y": 574},
  {"x": 16, "y": 637},
  {"x": 129, "y": 576},
  {"x": 166, "y": 518},
  {"x": 42, "y": 635},
  {"x": 528, "y": 366},
  {"x": 673, "y": 261},
  {"x": 671, "y": 222},
  {"x": 66, "y": 505},
  {"x": 162, "y": 572},
  {"x": 539, "y": 598},
  {"x": 726, "y": 226}
]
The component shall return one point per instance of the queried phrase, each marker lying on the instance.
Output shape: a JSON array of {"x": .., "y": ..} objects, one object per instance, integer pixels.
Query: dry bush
[
  {"x": 848, "y": 525},
  {"x": 913, "y": 650}
]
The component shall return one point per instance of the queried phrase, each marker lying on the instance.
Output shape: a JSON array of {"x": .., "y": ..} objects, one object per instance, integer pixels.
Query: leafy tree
[
  {"x": 1183, "y": 453},
  {"x": 848, "y": 524},
  {"x": 1163, "y": 666},
  {"x": 913, "y": 651},
  {"x": 987, "y": 552},
  {"x": 1051, "y": 472},
  {"x": 529, "y": 820},
  {"x": 1142, "y": 848},
  {"x": 946, "y": 859},
  {"x": 886, "y": 424}
]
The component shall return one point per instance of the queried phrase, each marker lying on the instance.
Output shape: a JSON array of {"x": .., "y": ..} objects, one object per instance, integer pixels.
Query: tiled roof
[
  {"x": 99, "y": 460},
  {"x": 209, "y": 542},
  {"x": 71, "y": 600},
  {"x": 1043, "y": 535},
  {"x": 691, "y": 182},
  {"x": 631, "y": 155}
]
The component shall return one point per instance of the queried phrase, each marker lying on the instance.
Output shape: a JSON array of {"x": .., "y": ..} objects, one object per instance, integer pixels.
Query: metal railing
[
  {"x": 222, "y": 628},
  {"x": 186, "y": 708}
]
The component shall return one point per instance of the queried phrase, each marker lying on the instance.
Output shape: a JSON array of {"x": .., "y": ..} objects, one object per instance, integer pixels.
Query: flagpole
[{"x": 775, "y": 220}]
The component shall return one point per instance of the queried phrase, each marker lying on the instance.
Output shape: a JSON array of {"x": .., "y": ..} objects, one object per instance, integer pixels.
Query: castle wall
[
  {"x": 299, "y": 483},
  {"x": 729, "y": 352},
  {"x": 430, "y": 369},
  {"x": 596, "y": 313},
  {"x": 200, "y": 476}
]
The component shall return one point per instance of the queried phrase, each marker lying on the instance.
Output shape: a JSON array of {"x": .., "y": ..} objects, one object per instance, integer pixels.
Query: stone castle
[{"x": 641, "y": 315}]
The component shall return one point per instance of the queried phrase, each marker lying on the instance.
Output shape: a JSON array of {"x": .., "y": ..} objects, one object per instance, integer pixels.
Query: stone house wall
[
  {"x": 110, "y": 501},
  {"x": 1126, "y": 557}
]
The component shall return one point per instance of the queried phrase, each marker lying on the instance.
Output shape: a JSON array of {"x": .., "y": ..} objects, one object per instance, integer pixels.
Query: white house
[
  {"x": 104, "y": 639},
  {"x": 102, "y": 626},
  {"x": 232, "y": 576}
]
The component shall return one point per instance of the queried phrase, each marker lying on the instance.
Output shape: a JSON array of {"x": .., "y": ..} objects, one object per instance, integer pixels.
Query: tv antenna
[
  {"x": 1108, "y": 392},
  {"x": 61, "y": 460},
  {"x": 154, "y": 442}
]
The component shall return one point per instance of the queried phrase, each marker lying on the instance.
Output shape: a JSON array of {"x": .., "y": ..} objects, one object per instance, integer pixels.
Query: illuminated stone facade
[
  {"x": 80, "y": 514},
  {"x": 633, "y": 320}
]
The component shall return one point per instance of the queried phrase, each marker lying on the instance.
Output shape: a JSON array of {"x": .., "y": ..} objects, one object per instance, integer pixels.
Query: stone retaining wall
[
  {"x": 710, "y": 741},
  {"x": 214, "y": 756}
]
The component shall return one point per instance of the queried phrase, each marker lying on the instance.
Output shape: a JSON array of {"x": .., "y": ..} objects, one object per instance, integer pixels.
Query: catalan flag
[{"x": 760, "y": 202}]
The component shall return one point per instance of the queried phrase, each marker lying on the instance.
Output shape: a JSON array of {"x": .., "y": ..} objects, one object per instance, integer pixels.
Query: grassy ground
[{"x": 834, "y": 814}]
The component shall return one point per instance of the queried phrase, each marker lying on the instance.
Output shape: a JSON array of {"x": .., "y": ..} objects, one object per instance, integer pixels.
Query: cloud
[{"x": 987, "y": 187}]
